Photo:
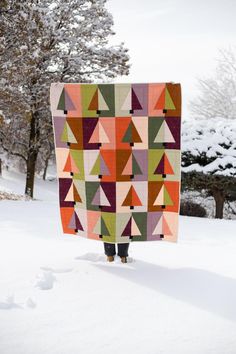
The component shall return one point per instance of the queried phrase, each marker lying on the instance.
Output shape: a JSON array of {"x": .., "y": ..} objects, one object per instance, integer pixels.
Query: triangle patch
[
  {"x": 100, "y": 167},
  {"x": 102, "y": 106},
  {"x": 68, "y": 135},
  {"x": 159, "y": 227},
  {"x": 132, "y": 167},
  {"x": 75, "y": 222},
  {"x": 127, "y": 229},
  {"x": 167, "y": 198},
  {"x": 104, "y": 228},
  {"x": 73, "y": 195},
  {"x": 136, "y": 170},
  {"x": 70, "y": 195},
  {"x": 164, "y": 134},
  {"x": 166, "y": 228},
  {"x": 131, "y": 228},
  {"x": 164, "y": 101},
  {"x": 169, "y": 104},
  {"x": 132, "y": 198},
  {"x": 160, "y": 104},
  {"x": 99, "y": 134},
  {"x": 65, "y": 102},
  {"x": 131, "y": 135},
  {"x": 93, "y": 106},
  {"x": 128, "y": 167},
  {"x": 100, "y": 198},
  {"x": 162, "y": 227},
  {"x": 160, "y": 197},
  {"x": 70, "y": 165},
  {"x": 134, "y": 228},
  {"x": 135, "y": 102},
  {"x": 164, "y": 166},
  {"x": 101, "y": 227},
  {"x": 127, "y": 102}
]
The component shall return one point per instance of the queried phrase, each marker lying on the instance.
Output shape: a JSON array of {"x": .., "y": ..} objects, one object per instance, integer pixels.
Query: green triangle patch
[{"x": 169, "y": 104}]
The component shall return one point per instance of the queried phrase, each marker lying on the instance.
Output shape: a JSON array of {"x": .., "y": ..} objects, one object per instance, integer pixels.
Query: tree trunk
[
  {"x": 31, "y": 164},
  {"x": 219, "y": 197},
  {"x": 0, "y": 167},
  {"x": 45, "y": 169},
  {"x": 32, "y": 156}
]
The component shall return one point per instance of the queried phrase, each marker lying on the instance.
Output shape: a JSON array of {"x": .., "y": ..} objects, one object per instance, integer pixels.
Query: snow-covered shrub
[
  {"x": 209, "y": 159},
  {"x": 190, "y": 208}
]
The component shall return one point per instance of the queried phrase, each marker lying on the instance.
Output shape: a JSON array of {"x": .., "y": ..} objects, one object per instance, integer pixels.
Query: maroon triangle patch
[
  {"x": 127, "y": 229},
  {"x": 135, "y": 102}
]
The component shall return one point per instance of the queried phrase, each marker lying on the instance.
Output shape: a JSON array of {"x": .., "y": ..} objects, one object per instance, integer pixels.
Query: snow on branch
[{"x": 209, "y": 146}]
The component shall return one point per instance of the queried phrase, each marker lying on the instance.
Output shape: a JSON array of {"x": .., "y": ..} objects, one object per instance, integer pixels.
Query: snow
[
  {"x": 58, "y": 294},
  {"x": 213, "y": 139}
]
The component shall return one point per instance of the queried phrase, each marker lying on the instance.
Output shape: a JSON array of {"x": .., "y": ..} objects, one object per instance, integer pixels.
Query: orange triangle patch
[
  {"x": 160, "y": 104},
  {"x": 167, "y": 166},
  {"x": 132, "y": 198},
  {"x": 77, "y": 197},
  {"x": 93, "y": 106},
  {"x": 70, "y": 165},
  {"x": 166, "y": 228}
]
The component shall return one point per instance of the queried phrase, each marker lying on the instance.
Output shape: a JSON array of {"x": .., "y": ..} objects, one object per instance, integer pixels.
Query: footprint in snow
[
  {"x": 30, "y": 303},
  {"x": 45, "y": 280},
  {"x": 57, "y": 270},
  {"x": 9, "y": 303},
  {"x": 95, "y": 257}
]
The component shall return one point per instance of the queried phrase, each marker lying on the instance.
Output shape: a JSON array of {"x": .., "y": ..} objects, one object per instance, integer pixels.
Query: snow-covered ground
[{"x": 58, "y": 295}]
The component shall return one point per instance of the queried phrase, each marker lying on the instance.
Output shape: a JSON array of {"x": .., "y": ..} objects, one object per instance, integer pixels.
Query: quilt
[{"x": 118, "y": 158}]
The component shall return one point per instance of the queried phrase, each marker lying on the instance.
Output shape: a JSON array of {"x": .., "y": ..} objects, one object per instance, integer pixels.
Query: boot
[
  {"x": 123, "y": 259},
  {"x": 110, "y": 258}
]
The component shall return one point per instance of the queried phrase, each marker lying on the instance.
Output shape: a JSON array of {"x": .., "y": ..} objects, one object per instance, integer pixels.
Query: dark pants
[{"x": 110, "y": 249}]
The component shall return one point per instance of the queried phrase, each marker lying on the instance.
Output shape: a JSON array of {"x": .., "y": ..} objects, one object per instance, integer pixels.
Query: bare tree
[
  {"x": 41, "y": 42},
  {"x": 217, "y": 94}
]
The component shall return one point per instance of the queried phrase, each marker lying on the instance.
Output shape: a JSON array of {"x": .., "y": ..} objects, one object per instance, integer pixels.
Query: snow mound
[
  {"x": 6, "y": 194},
  {"x": 45, "y": 280}
]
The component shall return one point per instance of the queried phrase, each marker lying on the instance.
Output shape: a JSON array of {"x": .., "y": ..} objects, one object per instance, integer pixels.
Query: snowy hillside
[{"x": 58, "y": 295}]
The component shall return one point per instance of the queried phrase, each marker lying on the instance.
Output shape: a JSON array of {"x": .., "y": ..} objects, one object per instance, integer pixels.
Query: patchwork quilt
[{"x": 118, "y": 159}]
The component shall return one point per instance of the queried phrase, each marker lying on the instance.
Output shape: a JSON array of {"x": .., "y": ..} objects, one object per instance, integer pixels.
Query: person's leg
[
  {"x": 123, "y": 249},
  {"x": 110, "y": 250}
]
